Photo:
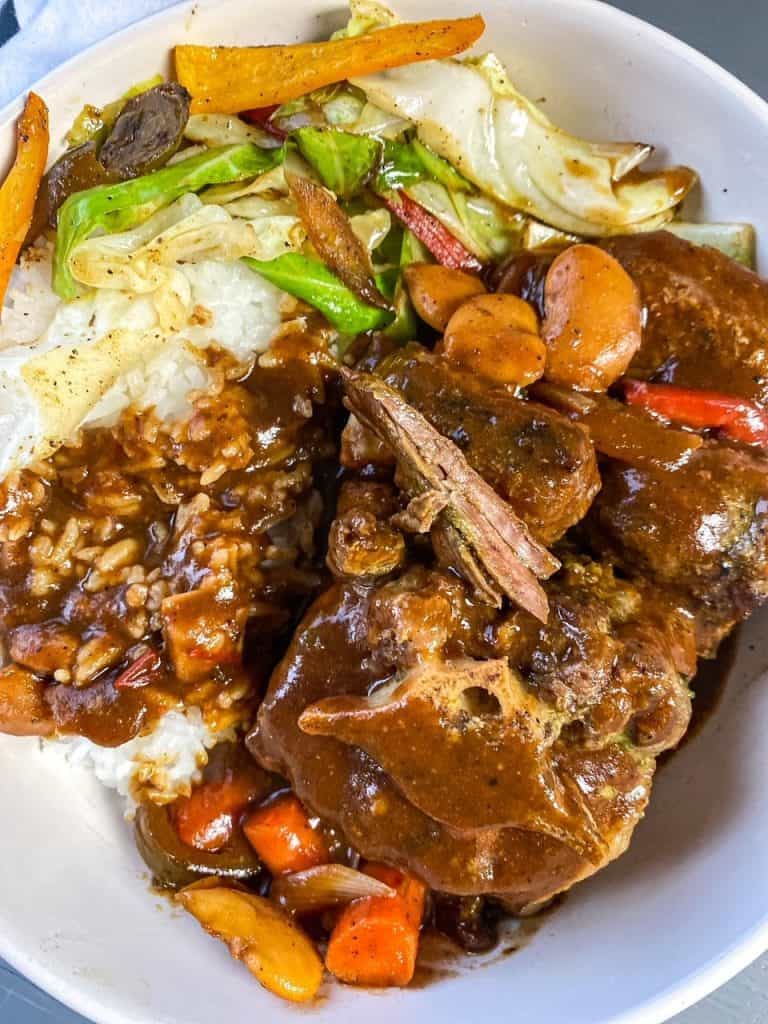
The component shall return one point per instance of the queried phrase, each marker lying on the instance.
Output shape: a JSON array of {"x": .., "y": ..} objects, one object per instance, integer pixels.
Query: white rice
[
  {"x": 244, "y": 313},
  {"x": 30, "y": 302},
  {"x": 231, "y": 307},
  {"x": 160, "y": 766}
]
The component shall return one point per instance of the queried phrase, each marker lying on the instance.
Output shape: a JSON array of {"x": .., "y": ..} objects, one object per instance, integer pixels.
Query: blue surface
[
  {"x": 737, "y": 40},
  {"x": 21, "y": 1002},
  {"x": 8, "y": 23}
]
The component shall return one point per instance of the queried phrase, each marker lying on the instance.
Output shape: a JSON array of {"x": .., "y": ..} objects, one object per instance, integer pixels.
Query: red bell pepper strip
[
  {"x": 262, "y": 116},
  {"x": 444, "y": 246},
  {"x": 737, "y": 418},
  {"x": 139, "y": 672}
]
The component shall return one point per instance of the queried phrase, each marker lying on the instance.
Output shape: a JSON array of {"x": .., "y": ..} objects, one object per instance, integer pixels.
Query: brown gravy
[
  {"x": 708, "y": 686},
  {"x": 440, "y": 957},
  {"x": 710, "y": 682}
]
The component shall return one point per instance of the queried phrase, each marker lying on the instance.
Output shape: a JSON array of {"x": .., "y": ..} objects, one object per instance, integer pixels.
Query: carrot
[
  {"x": 19, "y": 190},
  {"x": 593, "y": 319},
  {"x": 228, "y": 79},
  {"x": 497, "y": 338},
  {"x": 282, "y": 835},
  {"x": 206, "y": 818},
  {"x": 376, "y": 939},
  {"x": 737, "y": 418}
]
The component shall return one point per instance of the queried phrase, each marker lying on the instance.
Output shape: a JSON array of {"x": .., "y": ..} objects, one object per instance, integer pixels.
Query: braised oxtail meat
[
  {"x": 541, "y": 738},
  {"x": 363, "y": 540},
  {"x": 699, "y": 531},
  {"x": 706, "y": 315},
  {"x": 534, "y": 458},
  {"x": 479, "y": 533}
]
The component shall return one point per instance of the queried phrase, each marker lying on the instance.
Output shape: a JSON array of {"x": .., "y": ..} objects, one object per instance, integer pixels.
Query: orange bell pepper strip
[
  {"x": 228, "y": 79},
  {"x": 737, "y": 418},
  {"x": 282, "y": 835},
  {"x": 19, "y": 190},
  {"x": 375, "y": 940}
]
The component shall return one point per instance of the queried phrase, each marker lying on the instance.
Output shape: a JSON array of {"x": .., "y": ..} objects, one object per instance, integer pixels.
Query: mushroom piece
[
  {"x": 503, "y": 741},
  {"x": 492, "y": 547},
  {"x": 147, "y": 132}
]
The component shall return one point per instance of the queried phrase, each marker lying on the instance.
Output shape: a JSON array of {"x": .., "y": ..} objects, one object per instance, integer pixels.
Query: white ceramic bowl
[{"x": 687, "y": 907}]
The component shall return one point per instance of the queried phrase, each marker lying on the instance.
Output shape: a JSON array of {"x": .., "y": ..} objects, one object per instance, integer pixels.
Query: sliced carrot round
[
  {"x": 437, "y": 292},
  {"x": 593, "y": 319},
  {"x": 496, "y": 337}
]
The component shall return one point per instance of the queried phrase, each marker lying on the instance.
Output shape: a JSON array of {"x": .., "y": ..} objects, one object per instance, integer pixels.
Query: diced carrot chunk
[
  {"x": 282, "y": 835},
  {"x": 206, "y": 818},
  {"x": 376, "y": 939},
  {"x": 409, "y": 889}
]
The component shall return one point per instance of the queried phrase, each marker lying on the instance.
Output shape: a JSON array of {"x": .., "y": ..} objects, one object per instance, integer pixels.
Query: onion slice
[{"x": 329, "y": 885}]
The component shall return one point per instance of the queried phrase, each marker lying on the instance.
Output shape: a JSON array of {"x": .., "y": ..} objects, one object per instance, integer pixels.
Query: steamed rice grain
[
  {"x": 159, "y": 766},
  {"x": 114, "y": 351}
]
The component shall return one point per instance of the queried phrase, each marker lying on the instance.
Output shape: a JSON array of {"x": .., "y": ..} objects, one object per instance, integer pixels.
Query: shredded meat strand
[{"x": 492, "y": 546}]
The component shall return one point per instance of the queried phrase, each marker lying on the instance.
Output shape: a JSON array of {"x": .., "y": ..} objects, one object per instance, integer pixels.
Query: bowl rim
[{"x": 690, "y": 988}]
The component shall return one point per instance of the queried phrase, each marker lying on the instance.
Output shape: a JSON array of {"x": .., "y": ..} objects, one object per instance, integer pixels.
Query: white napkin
[{"x": 53, "y": 30}]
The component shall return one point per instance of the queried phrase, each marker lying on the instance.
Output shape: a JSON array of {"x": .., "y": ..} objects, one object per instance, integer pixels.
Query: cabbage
[
  {"x": 118, "y": 207},
  {"x": 146, "y": 259},
  {"x": 226, "y": 130},
  {"x": 344, "y": 108},
  {"x": 349, "y": 110},
  {"x": 487, "y": 229},
  {"x": 365, "y": 16},
  {"x": 735, "y": 240},
  {"x": 372, "y": 227},
  {"x": 270, "y": 183},
  {"x": 470, "y": 113},
  {"x": 343, "y": 161}
]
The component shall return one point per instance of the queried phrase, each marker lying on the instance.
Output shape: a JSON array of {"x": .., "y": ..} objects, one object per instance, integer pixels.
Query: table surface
[{"x": 738, "y": 42}]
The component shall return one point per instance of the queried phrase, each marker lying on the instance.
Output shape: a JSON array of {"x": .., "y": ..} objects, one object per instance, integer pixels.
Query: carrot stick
[
  {"x": 206, "y": 818},
  {"x": 228, "y": 79},
  {"x": 376, "y": 939},
  {"x": 19, "y": 190},
  {"x": 282, "y": 835}
]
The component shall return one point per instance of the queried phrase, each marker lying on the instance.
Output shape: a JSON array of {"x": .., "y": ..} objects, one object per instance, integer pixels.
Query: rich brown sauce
[
  {"x": 708, "y": 686},
  {"x": 194, "y": 506},
  {"x": 440, "y": 957},
  {"x": 710, "y": 682}
]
